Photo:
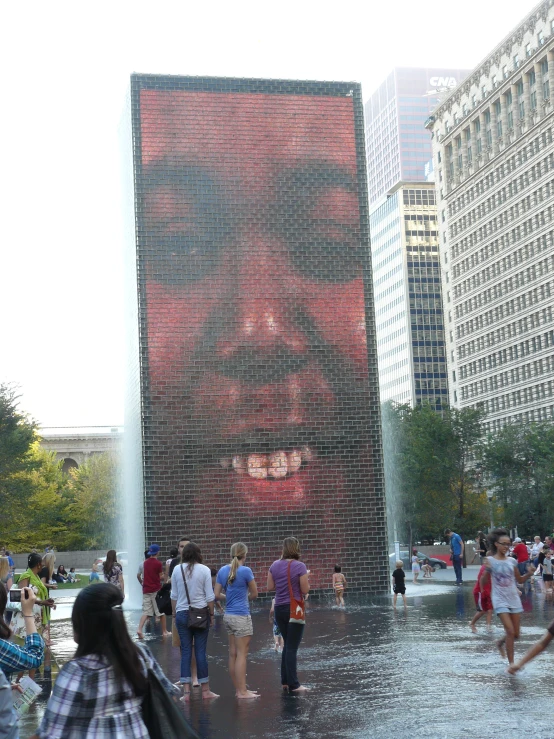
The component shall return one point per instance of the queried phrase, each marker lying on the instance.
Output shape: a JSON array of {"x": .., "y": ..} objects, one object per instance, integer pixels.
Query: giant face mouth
[{"x": 271, "y": 466}]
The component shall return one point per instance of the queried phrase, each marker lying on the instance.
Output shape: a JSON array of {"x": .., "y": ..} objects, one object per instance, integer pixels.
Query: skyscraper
[
  {"x": 404, "y": 236},
  {"x": 398, "y": 147}
]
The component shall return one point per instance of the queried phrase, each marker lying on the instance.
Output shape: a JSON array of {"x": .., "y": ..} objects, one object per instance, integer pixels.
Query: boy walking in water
[
  {"x": 398, "y": 584},
  {"x": 339, "y": 584}
]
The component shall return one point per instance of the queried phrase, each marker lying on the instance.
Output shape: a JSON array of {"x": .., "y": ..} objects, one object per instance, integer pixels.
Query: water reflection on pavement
[{"x": 373, "y": 673}]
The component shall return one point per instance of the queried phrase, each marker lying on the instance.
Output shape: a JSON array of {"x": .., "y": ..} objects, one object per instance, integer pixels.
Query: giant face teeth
[
  {"x": 257, "y": 466},
  {"x": 276, "y": 465}
]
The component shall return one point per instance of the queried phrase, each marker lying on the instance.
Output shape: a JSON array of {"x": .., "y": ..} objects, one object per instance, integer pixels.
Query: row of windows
[
  {"x": 429, "y": 301},
  {"x": 386, "y": 276},
  {"x": 496, "y": 269},
  {"x": 421, "y": 249},
  {"x": 391, "y": 336},
  {"x": 527, "y": 228},
  {"x": 518, "y": 184},
  {"x": 388, "y": 290},
  {"x": 393, "y": 383},
  {"x": 524, "y": 253},
  {"x": 519, "y": 397},
  {"x": 428, "y": 333},
  {"x": 510, "y": 354},
  {"x": 393, "y": 367},
  {"x": 508, "y": 378},
  {"x": 390, "y": 321},
  {"x": 379, "y": 265},
  {"x": 386, "y": 308},
  {"x": 419, "y": 197},
  {"x": 536, "y": 414},
  {"x": 394, "y": 350},
  {"x": 432, "y": 219},
  {"x": 541, "y": 141},
  {"x": 498, "y": 291},
  {"x": 509, "y": 308},
  {"x": 506, "y": 332},
  {"x": 516, "y": 210}
]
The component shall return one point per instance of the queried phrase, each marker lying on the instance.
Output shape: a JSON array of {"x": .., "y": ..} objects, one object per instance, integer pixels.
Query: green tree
[
  {"x": 429, "y": 463},
  {"x": 94, "y": 490},
  {"x": 519, "y": 465}
]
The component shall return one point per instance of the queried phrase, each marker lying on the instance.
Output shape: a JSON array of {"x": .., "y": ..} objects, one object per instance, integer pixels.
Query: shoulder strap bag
[
  {"x": 297, "y": 609},
  {"x": 199, "y": 618},
  {"x": 160, "y": 713}
]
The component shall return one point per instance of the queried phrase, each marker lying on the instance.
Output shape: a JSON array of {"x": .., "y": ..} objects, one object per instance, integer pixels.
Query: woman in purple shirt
[{"x": 277, "y": 580}]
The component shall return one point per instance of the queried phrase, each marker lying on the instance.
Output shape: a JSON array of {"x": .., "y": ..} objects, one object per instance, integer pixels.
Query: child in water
[
  {"x": 547, "y": 575},
  {"x": 416, "y": 569},
  {"x": 278, "y": 640},
  {"x": 339, "y": 585},
  {"x": 398, "y": 584},
  {"x": 483, "y": 602}
]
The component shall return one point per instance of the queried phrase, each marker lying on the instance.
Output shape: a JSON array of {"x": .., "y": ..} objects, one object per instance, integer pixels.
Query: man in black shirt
[{"x": 180, "y": 546}]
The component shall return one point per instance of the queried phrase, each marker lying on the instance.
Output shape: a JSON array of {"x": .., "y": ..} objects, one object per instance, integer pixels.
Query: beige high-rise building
[{"x": 493, "y": 155}]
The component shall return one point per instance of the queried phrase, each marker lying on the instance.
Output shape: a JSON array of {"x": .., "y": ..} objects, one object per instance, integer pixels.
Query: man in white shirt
[{"x": 536, "y": 549}]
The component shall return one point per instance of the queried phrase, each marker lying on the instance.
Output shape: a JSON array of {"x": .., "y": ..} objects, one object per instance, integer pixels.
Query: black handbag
[
  {"x": 161, "y": 715},
  {"x": 163, "y": 599},
  {"x": 199, "y": 618}
]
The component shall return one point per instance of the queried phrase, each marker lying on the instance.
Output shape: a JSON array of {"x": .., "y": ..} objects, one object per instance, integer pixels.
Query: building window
[
  {"x": 505, "y": 72},
  {"x": 494, "y": 81},
  {"x": 516, "y": 61},
  {"x": 545, "y": 80},
  {"x": 540, "y": 38},
  {"x": 498, "y": 111},
  {"x": 484, "y": 91},
  {"x": 520, "y": 100},
  {"x": 474, "y": 100},
  {"x": 528, "y": 50},
  {"x": 465, "y": 110}
]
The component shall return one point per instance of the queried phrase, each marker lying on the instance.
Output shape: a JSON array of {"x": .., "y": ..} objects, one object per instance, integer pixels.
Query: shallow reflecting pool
[{"x": 373, "y": 673}]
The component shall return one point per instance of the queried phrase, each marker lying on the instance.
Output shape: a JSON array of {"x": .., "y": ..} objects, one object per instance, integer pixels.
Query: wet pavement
[{"x": 376, "y": 673}]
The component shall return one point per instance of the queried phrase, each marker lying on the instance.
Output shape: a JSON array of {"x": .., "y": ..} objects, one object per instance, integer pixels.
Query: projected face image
[{"x": 256, "y": 334}]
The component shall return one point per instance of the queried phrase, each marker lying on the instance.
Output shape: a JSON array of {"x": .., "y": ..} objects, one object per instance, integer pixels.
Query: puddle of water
[{"x": 373, "y": 672}]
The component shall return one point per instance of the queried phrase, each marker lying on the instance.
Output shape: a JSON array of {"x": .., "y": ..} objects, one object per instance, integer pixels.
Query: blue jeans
[
  {"x": 186, "y": 636},
  {"x": 522, "y": 567},
  {"x": 457, "y": 562},
  {"x": 292, "y": 636}
]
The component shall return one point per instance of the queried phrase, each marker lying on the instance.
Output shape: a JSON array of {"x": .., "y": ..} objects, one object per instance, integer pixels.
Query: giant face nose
[{"x": 263, "y": 300}]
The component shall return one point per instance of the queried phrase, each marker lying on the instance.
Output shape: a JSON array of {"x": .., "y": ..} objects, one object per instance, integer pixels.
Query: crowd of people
[{"x": 103, "y": 689}]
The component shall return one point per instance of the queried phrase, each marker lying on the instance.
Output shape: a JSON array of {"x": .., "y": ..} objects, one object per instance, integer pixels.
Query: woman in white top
[
  {"x": 506, "y": 601},
  {"x": 199, "y": 583}
]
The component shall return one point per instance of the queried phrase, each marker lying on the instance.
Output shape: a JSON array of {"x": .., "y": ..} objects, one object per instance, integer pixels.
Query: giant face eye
[
  {"x": 186, "y": 225},
  {"x": 317, "y": 215}
]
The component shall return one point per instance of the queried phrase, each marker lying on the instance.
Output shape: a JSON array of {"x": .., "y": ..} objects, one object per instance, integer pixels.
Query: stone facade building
[
  {"x": 75, "y": 445},
  {"x": 494, "y": 166}
]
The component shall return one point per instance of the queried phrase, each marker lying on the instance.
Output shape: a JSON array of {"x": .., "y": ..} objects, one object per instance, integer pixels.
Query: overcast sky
[{"x": 66, "y": 68}]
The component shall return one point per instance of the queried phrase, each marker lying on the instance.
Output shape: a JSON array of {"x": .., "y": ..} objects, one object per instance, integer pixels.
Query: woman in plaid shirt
[{"x": 99, "y": 692}]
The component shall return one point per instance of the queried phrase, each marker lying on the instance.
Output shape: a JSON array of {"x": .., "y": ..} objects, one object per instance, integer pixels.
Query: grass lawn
[{"x": 81, "y": 583}]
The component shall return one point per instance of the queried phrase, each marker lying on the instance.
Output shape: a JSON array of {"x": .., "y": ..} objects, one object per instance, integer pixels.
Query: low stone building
[{"x": 74, "y": 445}]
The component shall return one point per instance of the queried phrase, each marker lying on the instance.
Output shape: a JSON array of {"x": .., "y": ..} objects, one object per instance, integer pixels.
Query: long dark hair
[
  {"x": 494, "y": 536},
  {"x": 100, "y": 628},
  {"x": 111, "y": 559},
  {"x": 5, "y": 632},
  {"x": 191, "y": 555},
  {"x": 61, "y": 570}
]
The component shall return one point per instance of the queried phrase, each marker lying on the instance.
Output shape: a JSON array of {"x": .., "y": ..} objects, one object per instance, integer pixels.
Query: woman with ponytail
[
  {"x": 99, "y": 692},
  {"x": 236, "y": 584}
]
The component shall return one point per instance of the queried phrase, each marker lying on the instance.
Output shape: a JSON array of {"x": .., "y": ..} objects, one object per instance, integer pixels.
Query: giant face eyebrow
[{"x": 313, "y": 177}]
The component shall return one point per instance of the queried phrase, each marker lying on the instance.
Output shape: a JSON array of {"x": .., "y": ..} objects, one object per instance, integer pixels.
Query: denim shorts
[
  {"x": 508, "y": 609},
  {"x": 238, "y": 625}
]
